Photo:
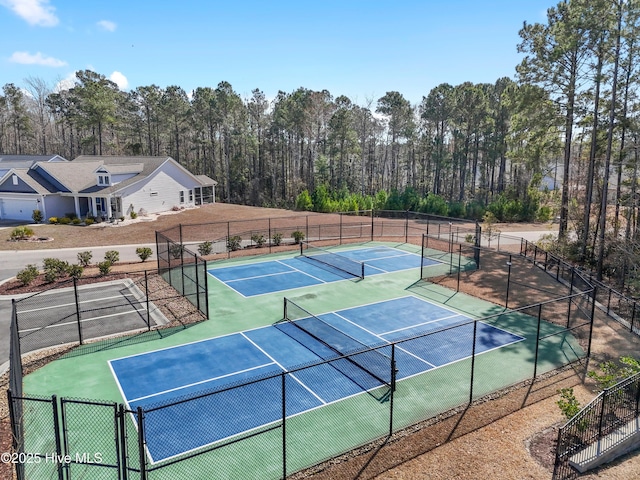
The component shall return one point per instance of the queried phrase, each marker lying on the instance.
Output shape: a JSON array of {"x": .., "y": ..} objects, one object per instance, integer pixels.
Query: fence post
[
  {"x": 473, "y": 359},
  {"x": 284, "y": 425},
  {"x": 406, "y": 226},
  {"x": 605, "y": 396},
  {"x": 372, "y": 226},
  {"x": 573, "y": 272},
  {"x": 633, "y": 316},
  {"x": 146, "y": 295},
  {"x": 141, "y": 447},
  {"x": 341, "y": 228},
  {"x": 75, "y": 293},
  {"x": 269, "y": 235},
  {"x": 56, "y": 435},
  {"x": 195, "y": 266},
  {"x": 593, "y": 313},
  {"x": 393, "y": 387},
  {"x": 122, "y": 436},
  {"x": 535, "y": 363},
  {"x": 17, "y": 431},
  {"x": 609, "y": 301},
  {"x": 459, "y": 260}
]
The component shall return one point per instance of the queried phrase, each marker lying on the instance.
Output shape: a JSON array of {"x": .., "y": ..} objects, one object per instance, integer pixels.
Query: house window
[
  {"x": 14, "y": 178},
  {"x": 190, "y": 196},
  {"x": 103, "y": 179},
  {"x": 181, "y": 196},
  {"x": 153, "y": 194}
]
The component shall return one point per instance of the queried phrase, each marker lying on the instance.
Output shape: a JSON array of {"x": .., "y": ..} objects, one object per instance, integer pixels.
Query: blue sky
[{"x": 357, "y": 48}]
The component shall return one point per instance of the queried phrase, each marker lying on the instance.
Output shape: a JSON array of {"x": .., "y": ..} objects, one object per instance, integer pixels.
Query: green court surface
[{"x": 321, "y": 433}]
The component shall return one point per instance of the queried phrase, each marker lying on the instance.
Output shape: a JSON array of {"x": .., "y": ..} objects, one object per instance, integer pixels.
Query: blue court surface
[
  {"x": 153, "y": 379},
  {"x": 278, "y": 275}
]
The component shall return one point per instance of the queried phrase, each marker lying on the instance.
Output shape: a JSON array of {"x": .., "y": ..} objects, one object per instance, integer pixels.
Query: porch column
[
  {"x": 109, "y": 211},
  {"x": 76, "y": 204},
  {"x": 92, "y": 206}
]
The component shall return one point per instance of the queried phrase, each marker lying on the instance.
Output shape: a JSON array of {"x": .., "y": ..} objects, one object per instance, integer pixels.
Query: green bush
[
  {"x": 112, "y": 256},
  {"x": 37, "y": 216},
  {"x": 304, "y": 202},
  {"x": 76, "y": 221},
  {"x": 569, "y": 405},
  {"x": 64, "y": 221},
  {"x": 27, "y": 274},
  {"x": 84, "y": 258},
  {"x": 234, "y": 243},
  {"x": 75, "y": 271},
  {"x": 144, "y": 253},
  {"x": 89, "y": 221},
  {"x": 70, "y": 215},
  {"x": 298, "y": 236},
  {"x": 53, "y": 220},
  {"x": 205, "y": 248},
  {"x": 54, "y": 268},
  {"x": 105, "y": 267},
  {"x": 133, "y": 215},
  {"x": 21, "y": 233},
  {"x": 176, "y": 250},
  {"x": 277, "y": 239},
  {"x": 258, "y": 239}
]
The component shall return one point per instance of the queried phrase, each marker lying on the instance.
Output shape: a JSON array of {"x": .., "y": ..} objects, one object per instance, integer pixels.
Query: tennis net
[
  {"x": 351, "y": 352},
  {"x": 340, "y": 262}
]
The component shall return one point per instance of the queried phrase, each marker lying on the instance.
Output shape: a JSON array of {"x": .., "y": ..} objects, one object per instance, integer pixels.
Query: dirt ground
[{"x": 509, "y": 437}]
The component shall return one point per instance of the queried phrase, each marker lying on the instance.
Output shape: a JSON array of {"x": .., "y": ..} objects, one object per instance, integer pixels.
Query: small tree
[
  {"x": 112, "y": 256},
  {"x": 54, "y": 268},
  {"x": 258, "y": 239},
  {"x": 84, "y": 258},
  {"x": 37, "y": 216},
  {"x": 298, "y": 236},
  {"x": 176, "y": 250},
  {"x": 568, "y": 403},
  {"x": 277, "y": 239},
  {"x": 28, "y": 274},
  {"x": 144, "y": 253},
  {"x": 489, "y": 229},
  {"x": 205, "y": 248},
  {"x": 104, "y": 267},
  {"x": 234, "y": 243}
]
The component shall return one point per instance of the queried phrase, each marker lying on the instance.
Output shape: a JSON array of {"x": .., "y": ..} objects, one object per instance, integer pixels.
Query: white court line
[
  {"x": 75, "y": 322},
  {"x": 212, "y": 379},
  {"x": 52, "y": 307},
  {"x": 285, "y": 370},
  {"x": 427, "y": 323},
  {"x": 255, "y": 276},
  {"x": 303, "y": 272}
]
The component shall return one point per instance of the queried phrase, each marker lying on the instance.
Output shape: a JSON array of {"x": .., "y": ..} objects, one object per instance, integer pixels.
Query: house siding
[
  {"x": 159, "y": 192},
  {"x": 58, "y": 206},
  {"x": 9, "y": 187}
]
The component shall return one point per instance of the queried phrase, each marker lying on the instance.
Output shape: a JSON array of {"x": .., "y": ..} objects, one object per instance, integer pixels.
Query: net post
[
  {"x": 473, "y": 360},
  {"x": 362, "y": 274},
  {"x": 301, "y": 244},
  {"x": 285, "y": 317}
]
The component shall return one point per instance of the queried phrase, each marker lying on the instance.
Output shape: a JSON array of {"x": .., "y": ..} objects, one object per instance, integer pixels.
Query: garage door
[{"x": 13, "y": 209}]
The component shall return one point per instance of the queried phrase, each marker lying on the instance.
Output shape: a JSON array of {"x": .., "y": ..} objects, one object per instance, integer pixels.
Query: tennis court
[
  {"x": 316, "y": 267},
  {"x": 159, "y": 377}
]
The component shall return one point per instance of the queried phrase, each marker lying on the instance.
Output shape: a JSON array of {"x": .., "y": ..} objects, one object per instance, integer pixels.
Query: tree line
[{"x": 570, "y": 116}]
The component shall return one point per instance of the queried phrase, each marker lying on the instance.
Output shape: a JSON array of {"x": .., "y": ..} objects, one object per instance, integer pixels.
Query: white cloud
[
  {"x": 119, "y": 79},
  {"x": 66, "y": 83},
  {"x": 34, "y": 12},
  {"x": 27, "y": 58},
  {"x": 107, "y": 25}
]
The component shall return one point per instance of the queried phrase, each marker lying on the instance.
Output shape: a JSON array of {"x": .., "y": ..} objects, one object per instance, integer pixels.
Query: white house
[{"x": 100, "y": 186}]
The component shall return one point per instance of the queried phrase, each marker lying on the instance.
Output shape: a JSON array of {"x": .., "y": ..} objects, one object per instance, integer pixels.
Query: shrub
[
  {"x": 258, "y": 239},
  {"x": 143, "y": 253},
  {"x": 64, "y": 221},
  {"x": 277, "y": 239},
  {"x": 53, "y": 220},
  {"x": 84, "y": 258},
  {"x": 21, "y": 233},
  {"x": 133, "y": 215},
  {"x": 298, "y": 236},
  {"x": 176, "y": 250},
  {"x": 76, "y": 221},
  {"x": 89, "y": 221},
  {"x": 37, "y": 216},
  {"x": 568, "y": 403},
  {"x": 304, "y": 202},
  {"x": 75, "y": 271},
  {"x": 205, "y": 248},
  {"x": 234, "y": 243},
  {"x": 112, "y": 256},
  {"x": 27, "y": 274},
  {"x": 104, "y": 267},
  {"x": 121, "y": 219},
  {"x": 70, "y": 216},
  {"x": 54, "y": 268}
]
